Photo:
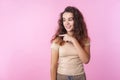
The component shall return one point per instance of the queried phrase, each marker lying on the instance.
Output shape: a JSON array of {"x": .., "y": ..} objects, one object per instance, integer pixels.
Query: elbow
[
  {"x": 53, "y": 67},
  {"x": 86, "y": 61}
]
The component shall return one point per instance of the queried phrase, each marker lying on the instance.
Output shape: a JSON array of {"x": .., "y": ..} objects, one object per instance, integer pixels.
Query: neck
[{"x": 70, "y": 33}]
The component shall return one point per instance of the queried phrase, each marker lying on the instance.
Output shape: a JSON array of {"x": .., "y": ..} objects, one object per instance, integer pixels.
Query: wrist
[{"x": 73, "y": 40}]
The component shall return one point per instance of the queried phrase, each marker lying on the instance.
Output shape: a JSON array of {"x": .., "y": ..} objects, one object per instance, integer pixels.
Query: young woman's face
[{"x": 68, "y": 21}]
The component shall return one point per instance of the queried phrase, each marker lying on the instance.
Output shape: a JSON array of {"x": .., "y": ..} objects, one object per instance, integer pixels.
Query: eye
[
  {"x": 63, "y": 19},
  {"x": 70, "y": 19}
]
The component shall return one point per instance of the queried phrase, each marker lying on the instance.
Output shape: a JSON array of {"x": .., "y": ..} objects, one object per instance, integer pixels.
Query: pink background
[{"x": 26, "y": 27}]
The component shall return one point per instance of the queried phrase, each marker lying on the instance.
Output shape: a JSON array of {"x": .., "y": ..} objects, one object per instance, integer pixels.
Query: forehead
[{"x": 67, "y": 15}]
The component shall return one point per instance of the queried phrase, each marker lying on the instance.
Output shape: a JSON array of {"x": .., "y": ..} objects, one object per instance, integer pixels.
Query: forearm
[
  {"x": 53, "y": 73},
  {"x": 81, "y": 52}
]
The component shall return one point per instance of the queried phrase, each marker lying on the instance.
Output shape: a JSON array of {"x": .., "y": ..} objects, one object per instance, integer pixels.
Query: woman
[{"x": 70, "y": 47}]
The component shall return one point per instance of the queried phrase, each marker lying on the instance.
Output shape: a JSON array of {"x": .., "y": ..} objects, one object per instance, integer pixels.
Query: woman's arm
[
  {"x": 83, "y": 53},
  {"x": 54, "y": 62}
]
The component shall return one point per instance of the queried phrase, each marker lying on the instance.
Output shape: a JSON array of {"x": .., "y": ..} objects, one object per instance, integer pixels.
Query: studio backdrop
[{"x": 27, "y": 26}]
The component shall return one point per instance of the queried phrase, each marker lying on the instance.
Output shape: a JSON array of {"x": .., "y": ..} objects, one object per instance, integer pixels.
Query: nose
[{"x": 67, "y": 22}]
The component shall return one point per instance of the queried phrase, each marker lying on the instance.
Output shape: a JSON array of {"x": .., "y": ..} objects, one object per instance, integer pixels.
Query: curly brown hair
[{"x": 80, "y": 29}]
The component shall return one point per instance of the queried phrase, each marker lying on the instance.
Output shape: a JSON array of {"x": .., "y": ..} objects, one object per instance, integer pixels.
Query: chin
[{"x": 69, "y": 30}]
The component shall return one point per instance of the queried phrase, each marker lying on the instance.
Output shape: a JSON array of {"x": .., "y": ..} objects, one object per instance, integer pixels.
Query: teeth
[{"x": 67, "y": 27}]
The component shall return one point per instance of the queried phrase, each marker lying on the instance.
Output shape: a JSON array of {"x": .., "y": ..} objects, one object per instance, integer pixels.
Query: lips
[{"x": 68, "y": 27}]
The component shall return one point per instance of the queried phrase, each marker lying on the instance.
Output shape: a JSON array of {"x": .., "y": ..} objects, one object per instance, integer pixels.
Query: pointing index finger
[{"x": 62, "y": 35}]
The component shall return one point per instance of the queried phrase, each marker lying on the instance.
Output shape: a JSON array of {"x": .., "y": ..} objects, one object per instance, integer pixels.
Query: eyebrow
[{"x": 68, "y": 18}]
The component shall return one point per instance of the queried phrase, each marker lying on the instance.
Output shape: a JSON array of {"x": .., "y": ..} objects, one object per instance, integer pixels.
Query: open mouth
[{"x": 68, "y": 27}]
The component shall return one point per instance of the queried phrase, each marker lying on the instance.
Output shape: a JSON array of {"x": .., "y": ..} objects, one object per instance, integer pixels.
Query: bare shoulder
[
  {"x": 55, "y": 44},
  {"x": 56, "y": 40},
  {"x": 87, "y": 42}
]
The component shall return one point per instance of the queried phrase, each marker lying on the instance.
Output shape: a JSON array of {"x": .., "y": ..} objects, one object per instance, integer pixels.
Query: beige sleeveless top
[{"x": 69, "y": 62}]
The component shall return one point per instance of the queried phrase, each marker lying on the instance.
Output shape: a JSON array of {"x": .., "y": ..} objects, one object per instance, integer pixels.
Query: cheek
[
  {"x": 63, "y": 23},
  {"x": 72, "y": 23}
]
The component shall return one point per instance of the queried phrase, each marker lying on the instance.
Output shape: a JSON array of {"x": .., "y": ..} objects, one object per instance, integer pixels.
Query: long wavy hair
[{"x": 79, "y": 31}]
